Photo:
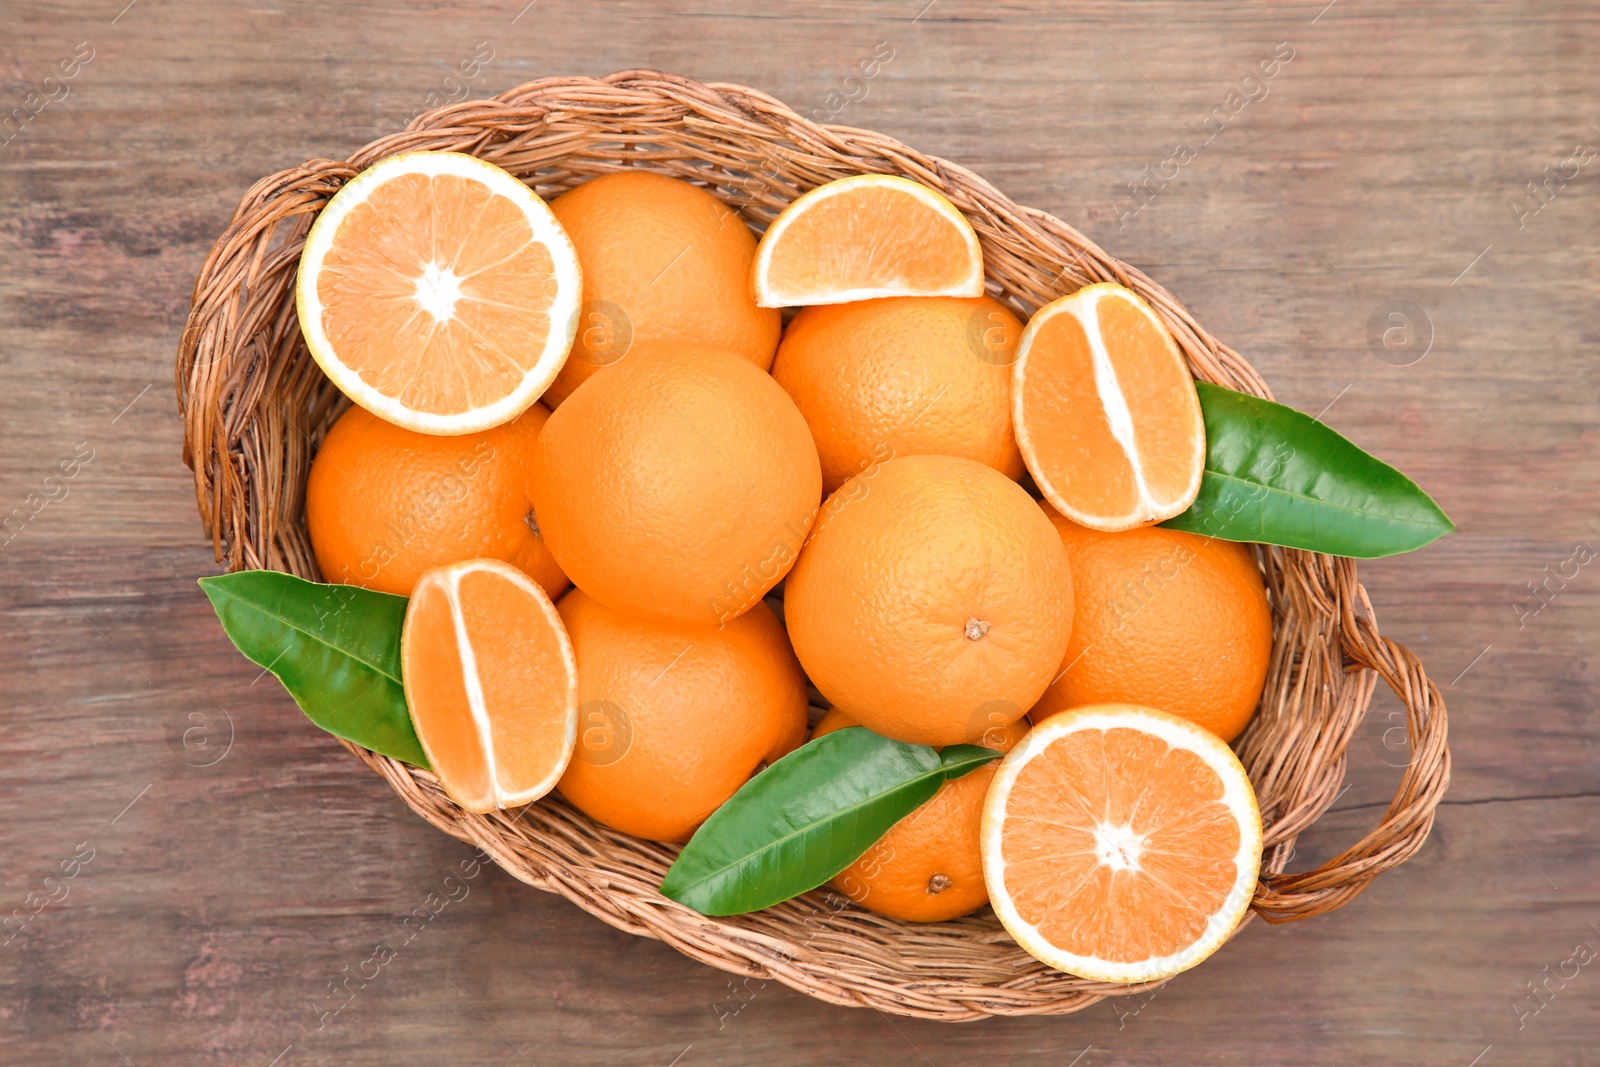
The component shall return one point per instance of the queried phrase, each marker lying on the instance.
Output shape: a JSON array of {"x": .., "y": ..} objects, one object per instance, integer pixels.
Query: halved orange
[
  {"x": 492, "y": 683},
  {"x": 439, "y": 292},
  {"x": 1105, "y": 411},
  {"x": 1120, "y": 843},
  {"x": 863, "y": 237}
]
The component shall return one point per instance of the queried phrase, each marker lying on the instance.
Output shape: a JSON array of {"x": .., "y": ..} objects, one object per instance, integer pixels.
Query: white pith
[
  {"x": 438, "y": 291},
  {"x": 1118, "y": 847},
  {"x": 1113, "y": 399},
  {"x": 1238, "y": 797},
  {"x": 969, "y": 286},
  {"x": 563, "y": 311},
  {"x": 1082, "y": 305},
  {"x": 473, "y": 685}
]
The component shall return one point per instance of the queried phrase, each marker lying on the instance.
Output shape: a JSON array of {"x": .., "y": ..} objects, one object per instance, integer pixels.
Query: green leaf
[
  {"x": 808, "y": 817},
  {"x": 1280, "y": 477},
  {"x": 335, "y": 648},
  {"x": 959, "y": 761}
]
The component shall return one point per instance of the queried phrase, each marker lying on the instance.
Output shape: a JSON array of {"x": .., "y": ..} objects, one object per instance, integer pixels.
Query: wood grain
[{"x": 1384, "y": 157}]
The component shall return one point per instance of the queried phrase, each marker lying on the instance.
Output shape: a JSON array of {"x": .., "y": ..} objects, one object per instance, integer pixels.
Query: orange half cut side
[
  {"x": 1120, "y": 843},
  {"x": 1106, "y": 413},
  {"x": 439, "y": 292},
  {"x": 869, "y": 236},
  {"x": 492, "y": 683}
]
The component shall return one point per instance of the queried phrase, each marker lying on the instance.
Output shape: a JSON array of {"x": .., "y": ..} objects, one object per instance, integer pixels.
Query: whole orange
[
  {"x": 674, "y": 718},
  {"x": 903, "y": 376},
  {"x": 1166, "y": 619},
  {"x": 662, "y": 260},
  {"x": 932, "y": 597},
  {"x": 384, "y": 504},
  {"x": 677, "y": 487},
  {"x": 929, "y": 866}
]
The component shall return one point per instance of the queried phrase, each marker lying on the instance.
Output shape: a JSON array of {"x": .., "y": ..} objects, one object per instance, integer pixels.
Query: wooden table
[{"x": 230, "y": 861}]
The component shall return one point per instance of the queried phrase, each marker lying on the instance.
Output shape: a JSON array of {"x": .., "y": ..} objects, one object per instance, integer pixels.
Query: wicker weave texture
[{"x": 255, "y": 405}]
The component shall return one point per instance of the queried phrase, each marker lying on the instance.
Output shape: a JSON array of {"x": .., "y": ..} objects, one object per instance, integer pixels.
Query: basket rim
[{"x": 237, "y": 361}]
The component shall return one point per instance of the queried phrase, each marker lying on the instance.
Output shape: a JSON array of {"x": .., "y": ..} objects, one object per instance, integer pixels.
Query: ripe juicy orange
[
  {"x": 1121, "y": 844},
  {"x": 663, "y": 260},
  {"x": 1167, "y": 619},
  {"x": 903, "y": 377},
  {"x": 932, "y": 592},
  {"x": 1106, "y": 413},
  {"x": 867, "y": 236},
  {"x": 491, "y": 682},
  {"x": 439, "y": 292},
  {"x": 384, "y": 503},
  {"x": 928, "y": 867},
  {"x": 674, "y": 718},
  {"x": 678, "y": 486}
]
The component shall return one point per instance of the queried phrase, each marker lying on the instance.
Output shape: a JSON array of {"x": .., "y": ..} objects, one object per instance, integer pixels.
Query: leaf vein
[{"x": 1364, "y": 512}]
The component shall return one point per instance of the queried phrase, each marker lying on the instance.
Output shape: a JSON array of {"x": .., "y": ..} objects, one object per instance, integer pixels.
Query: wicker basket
[{"x": 255, "y": 406}]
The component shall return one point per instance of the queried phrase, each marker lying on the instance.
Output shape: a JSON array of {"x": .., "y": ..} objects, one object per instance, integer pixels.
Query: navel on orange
[
  {"x": 1106, "y": 412},
  {"x": 439, "y": 292},
  {"x": 867, "y": 236},
  {"x": 492, "y": 683},
  {"x": 1120, "y": 843}
]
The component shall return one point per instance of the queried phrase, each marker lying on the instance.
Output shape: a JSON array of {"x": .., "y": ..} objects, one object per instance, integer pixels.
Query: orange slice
[
  {"x": 492, "y": 683},
  {"x": 1105, "y": 411},
  {"x": 1120, "y": 843},
  {"x": 439, "y": 292},
  {"x": 864, "y": 237}
]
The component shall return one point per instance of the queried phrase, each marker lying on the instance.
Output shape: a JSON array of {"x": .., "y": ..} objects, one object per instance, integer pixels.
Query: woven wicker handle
[{"x": 1409, "y": 818}]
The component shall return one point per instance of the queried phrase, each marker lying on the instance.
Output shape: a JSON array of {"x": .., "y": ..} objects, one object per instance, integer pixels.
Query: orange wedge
[
  {"x": 439, "y": 293},
  {"x": 492, "y": 683},
  {"x": 1120, "y": 843},
  {"x": 864, "y": 237},
  {"x": 1105, "y": 411}
]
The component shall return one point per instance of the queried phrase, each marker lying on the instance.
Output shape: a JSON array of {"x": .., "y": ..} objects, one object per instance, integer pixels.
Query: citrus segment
[
  {"x": 439, "y": 292},
  {"x": 491, "y": 682},
  {"x": 1120, "y": 843},
  {"x": 1106, "y": 413},
  {"x": 867, "y": 236}
]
